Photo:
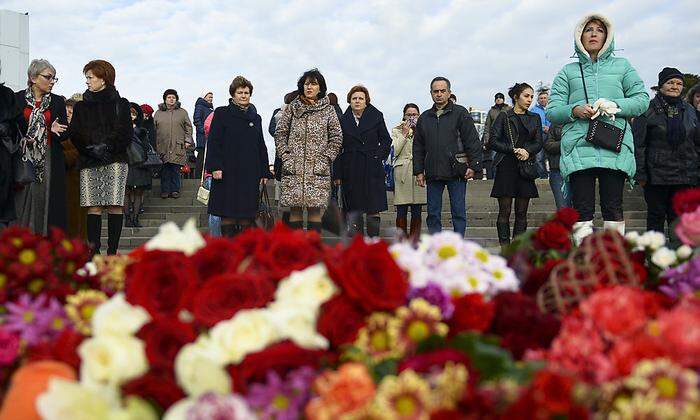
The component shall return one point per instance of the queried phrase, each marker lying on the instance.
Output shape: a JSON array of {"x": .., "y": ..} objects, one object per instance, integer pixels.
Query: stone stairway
[{"x": 482, "y": 211}]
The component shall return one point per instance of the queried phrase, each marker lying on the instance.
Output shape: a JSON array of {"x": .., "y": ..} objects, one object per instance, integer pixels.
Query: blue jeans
[
  {"x": 457, "y": 189},
  {"x": 560, "y": 189},
  {"x": 541, "y": 165},
  {"x": 170, "y": 178},
  {"x": 214, "y": 221}
]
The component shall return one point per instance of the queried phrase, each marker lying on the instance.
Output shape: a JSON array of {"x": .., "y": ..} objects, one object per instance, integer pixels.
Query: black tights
[
  {"x": 134, "y": 199},
  {"x": 521, "y": 205},
  {"x": 402, "y": 210}
]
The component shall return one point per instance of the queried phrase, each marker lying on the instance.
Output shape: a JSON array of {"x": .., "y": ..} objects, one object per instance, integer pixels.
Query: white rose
[
  {"x": 118, "y": 317},
  {"x": 198, "y": 372},
  {"x": 632, "y": 237},
  {"x": 171, "y": 238},
  {"x": 178, "y": 411},
  {"x": 684, "y": 252},
  {"x": 70, "y": 400},
  {"x": 664, "y": 257},
  {"x": 247, "y": 332},
  {"x": 112, "y": 359},
  {"x": 652, "y": 240},
  {"x": 298, "y": 325},
  {"x": 311, "y": 287}
]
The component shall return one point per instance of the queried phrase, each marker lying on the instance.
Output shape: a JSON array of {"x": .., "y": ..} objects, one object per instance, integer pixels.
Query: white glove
[{"x": 605, "y": 107}]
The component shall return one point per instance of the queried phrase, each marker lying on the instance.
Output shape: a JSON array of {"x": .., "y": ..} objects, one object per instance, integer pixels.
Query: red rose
[
  {"x": 539, "y": 276},
  {"x": 64, "y": 348},
  {"x": 424, "y": 363},
  {"x": 567, "y": 217},
  {"x": 686, "y": 201},
  {"x": 553, "y": 235},
  {"x": 281, "y": 357},
  {"x": 164, "y": 337},
  {"x": 369, "y": 276},
  {"x": 224, "y": 295},
  {"x": 626, "y": 353},
  {"x": 158, "y": 385},
  {"x": 340, "y": 320},
  {"x": 162, "y": 282},
  {"x": 220, "y": 255},
  {"x": 471, "y": 313},
  {"x": 288, "y": 250}
]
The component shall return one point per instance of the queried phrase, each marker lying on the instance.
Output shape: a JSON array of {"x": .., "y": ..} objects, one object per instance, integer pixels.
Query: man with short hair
[
  {"x": 499, "y": 106},
  {"x": 539, "y": 108},
  {"x": 441, "y": 133}
]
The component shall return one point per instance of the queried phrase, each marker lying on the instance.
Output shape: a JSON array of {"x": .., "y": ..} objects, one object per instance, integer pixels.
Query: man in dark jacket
[
  {"x": 442, "y": 133},
  {"x": 552, "y": 148},
  {"x": 202, "y": 108},
  {"x": 498, "y": 107}
]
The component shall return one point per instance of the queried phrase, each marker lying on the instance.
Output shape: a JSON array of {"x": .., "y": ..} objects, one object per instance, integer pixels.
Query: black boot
[
  {"x": 317, "y": 226},
  {"x": 114, "y": 232},
  {"x": 299, "y": 224},
  {"x": 356, "y": 224},
  {"x": 135, "y": 221},
  {"x": 519, "y": 227},
  {"x": 228, "y": 230},
  {"x": 373, "y": 224},
  {"x": 128, "y": 219},
  {"x": 94, "y": 232},
  {"x": 503, "y": 233}
]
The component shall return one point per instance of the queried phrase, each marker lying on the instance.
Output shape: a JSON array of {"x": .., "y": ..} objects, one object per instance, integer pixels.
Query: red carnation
[
  {"x": 224, "y": 295},
  {"x": 567, "y": 217},
  {"x": 162, "y": 282},
  {"x": 369, "y": 276},
  {"x": 472, "y": 313},
  {"x": 626, "y": 353},
  {"x": 424, "y": 363},
  {"x": 288, "y": 250},
  {"x": 281, "y": 357},
  {"x": 158, "y": 385},
  {"x": 553, "y": 235},
  {"x": 164, "y": 337},
  {"x": 539, "y": 276},
  {"x": 340, "y": 320},
  {"x": 686, "y": 201}
]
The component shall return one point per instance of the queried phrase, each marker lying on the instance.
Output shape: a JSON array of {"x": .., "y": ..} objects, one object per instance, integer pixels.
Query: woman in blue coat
[
  {"x": 359, "y": 168},
  {"x": 582, "y": 163},
  {"x": 237, "y": 160}
]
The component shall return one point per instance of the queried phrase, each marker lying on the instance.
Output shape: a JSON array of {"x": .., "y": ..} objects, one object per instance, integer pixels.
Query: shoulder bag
[
  {"x": 203, "y": 192},
  {"x": 602, "y": 134},
  {"x": 460, "y": 160},
  {"x": 23, "y": 170},
  {"x": 526, "y": 168},
  {"x": 264, "y": 218}
]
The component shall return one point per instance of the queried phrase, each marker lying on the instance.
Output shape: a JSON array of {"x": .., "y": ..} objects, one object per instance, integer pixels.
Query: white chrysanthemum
[
  {"x": 664, "y": 257},
  {"x": 311, "y": 288},
  {"x": 118, "y": 317},
  {"x": 171, "y": 238},
  {"x": 652, "y": 240},
  {"x": 111, "y": 359},
  {"x": 198, "y": 372},
  {"x": 684, "y": 252},
  {"x": 247, "y": 332}
]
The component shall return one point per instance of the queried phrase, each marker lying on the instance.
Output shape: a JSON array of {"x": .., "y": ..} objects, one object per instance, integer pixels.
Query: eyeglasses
[{"x": 49, "y": 78}]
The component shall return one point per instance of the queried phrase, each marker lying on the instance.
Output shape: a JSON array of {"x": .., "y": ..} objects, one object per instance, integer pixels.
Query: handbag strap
[
  {"x": 583, "y": 80},
  {"x": 264, "y": 197},
  {"x": 204, "y": 162},
  {"x": 510, "y": 131}
]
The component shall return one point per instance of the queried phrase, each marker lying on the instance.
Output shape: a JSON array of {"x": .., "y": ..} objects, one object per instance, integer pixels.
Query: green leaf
[
  {"x": 385, "y": 368},
  {"x": 432, "y": 343}
]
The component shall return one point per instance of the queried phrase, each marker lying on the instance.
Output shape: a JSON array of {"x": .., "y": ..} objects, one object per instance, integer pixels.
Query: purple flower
[
  {"x": 28, "y": 318},
  {"x": 433, "y": 294},
  {"x": 9, "y": 347},
  {"x": 681, "y": 280},
  {"x": 282, "y": 400},
  {"x": 211, "y": 406}
]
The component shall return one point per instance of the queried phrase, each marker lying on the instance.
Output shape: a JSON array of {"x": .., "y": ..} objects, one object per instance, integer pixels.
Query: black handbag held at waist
[{"x": 600, "y": 133}]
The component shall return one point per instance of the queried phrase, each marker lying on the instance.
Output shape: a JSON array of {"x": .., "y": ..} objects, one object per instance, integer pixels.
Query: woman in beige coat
[
  {"x": 173, "y": 136},
  {"x": 407, "y": 193},
  {"x": 307, "y": 138}
]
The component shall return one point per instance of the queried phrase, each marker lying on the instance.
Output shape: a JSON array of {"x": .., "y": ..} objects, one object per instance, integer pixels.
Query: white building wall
[{"x": 14, "y": 49}]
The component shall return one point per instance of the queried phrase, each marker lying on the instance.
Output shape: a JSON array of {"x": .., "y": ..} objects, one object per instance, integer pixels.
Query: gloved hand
[{"x": 605, "y": 107}]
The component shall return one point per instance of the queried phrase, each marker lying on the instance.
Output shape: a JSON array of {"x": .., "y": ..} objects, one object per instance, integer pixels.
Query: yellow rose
[{"x": 70, "y": 400}]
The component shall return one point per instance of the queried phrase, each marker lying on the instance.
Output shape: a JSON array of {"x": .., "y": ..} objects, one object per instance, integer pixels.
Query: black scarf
[{"x": 673, "y": 108}]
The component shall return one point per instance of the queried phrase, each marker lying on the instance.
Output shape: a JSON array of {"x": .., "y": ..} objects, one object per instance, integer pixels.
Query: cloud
[{"x": 394, "y": 48}]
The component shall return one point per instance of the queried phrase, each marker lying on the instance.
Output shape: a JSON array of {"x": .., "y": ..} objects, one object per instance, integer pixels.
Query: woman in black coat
[
  {"x": 666, "y": 150},
  {"x": 101, "y": 130},
  {"x": 516, "y": 136},
  {"x": 359, "y": 168},
  {"x": 237, "y": 159},
  {"x": 42, "y": 124},
  {"x": 9, "y": 143}
]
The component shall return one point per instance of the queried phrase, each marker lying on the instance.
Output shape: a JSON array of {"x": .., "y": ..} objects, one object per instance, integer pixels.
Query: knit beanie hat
[
  {"x": 170, "y": 92},
  {"x": 499, "y": 95},
  {"x": 669, "y": 73}
]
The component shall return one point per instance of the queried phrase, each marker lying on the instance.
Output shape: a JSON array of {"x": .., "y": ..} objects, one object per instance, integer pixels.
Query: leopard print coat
[{"x": 307, "y": 139}]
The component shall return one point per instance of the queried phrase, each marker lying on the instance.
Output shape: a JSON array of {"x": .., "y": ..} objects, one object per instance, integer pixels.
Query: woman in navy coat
[
  {"x": 359, "y": 168},
  {"x": 237, "y": 160}
]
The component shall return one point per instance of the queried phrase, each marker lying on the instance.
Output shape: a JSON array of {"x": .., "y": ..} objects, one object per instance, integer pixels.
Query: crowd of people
[{"x": 596, "y": 124}]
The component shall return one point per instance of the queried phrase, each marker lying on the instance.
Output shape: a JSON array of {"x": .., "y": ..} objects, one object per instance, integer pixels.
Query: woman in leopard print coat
[{"x": 307, "y": 138}]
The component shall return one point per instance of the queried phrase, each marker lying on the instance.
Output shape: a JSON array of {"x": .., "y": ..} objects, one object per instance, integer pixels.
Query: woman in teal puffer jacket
[{"x": 582, "y": 163}]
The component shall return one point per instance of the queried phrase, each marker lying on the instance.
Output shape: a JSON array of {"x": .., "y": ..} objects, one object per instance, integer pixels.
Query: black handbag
[
  {"x": 526, "y": 168},
  {"x": 153, "y": 159},
  {"x": 135, "y": 152},
  {"x": 460, "y": 160},
  {"x": 264, "y": 217},
  {"x": 600, "y": 133},
  {"x": 23, "y": 171}
]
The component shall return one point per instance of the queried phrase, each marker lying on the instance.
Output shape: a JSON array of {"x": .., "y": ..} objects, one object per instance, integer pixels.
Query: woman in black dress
[
  {"x": 516, "y": 137},
  {"x": 237, "y": 159}
]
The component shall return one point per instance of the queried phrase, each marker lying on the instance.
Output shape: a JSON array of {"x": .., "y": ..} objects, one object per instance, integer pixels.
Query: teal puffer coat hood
[{"x": 608, "y": 77}]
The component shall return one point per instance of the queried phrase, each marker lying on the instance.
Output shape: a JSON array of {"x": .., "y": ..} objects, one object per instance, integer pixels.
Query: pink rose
[{"x": 688, "y": 228}]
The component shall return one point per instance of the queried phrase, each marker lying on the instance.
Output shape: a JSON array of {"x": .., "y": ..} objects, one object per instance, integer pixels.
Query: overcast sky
[{"x": 394, "y": 48}]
